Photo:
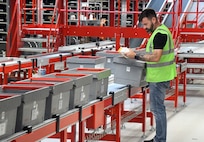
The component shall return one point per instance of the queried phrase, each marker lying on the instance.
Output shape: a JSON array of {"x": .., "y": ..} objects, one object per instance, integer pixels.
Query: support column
[
  {"x": 117, "y": 41},
  {"x": 63, "y": 136},
  {"x": 81, "y": 131},
  {"x": 73, "y": 133},
  {"x": 118, "y": 122}
]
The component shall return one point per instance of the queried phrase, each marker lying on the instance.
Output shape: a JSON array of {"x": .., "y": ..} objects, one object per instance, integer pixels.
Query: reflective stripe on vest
[
  {"x": 167, "y": 52},
  {"x": 160, "y": 64},
  {"x": 170, "y": 45}
]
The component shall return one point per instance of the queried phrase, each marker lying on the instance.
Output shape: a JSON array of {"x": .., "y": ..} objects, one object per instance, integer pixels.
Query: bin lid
[
  {"x": 9, "y": 101},
  {"x": 98, "y": 73},
  {"x": 28, "y": 93},
  {"x": 108, "y": 53},
  {"x": 81, "y": 59},
  {"x": 78, "y": 79}
]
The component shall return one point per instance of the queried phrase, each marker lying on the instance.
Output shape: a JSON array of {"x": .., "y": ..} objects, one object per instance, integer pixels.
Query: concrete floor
[{"x": 186, "y": 124}]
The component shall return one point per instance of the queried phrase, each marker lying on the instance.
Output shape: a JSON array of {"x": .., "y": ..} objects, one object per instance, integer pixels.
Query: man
[{"x": 161, "y": 68}]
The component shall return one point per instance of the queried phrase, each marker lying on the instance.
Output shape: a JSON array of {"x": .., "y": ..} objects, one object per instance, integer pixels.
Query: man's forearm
[{"x": 146, "y": 57}]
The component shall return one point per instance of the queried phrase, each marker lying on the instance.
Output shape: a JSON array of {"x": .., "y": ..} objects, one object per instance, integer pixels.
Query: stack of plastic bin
[
  {"x": 79, "y": 95},
  {"x": 100, "y": 80},
  {"x": 33, "y": 101},
  {"x": 86, "y": 61},
  {"x": 59, "y": 97},
  {"x": 109, "y": 54},
  {"x": 81, "y": 88}
]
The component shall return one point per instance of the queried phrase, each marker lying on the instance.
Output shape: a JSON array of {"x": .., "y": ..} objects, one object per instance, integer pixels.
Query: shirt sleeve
[{"x": 159, "y": 40}]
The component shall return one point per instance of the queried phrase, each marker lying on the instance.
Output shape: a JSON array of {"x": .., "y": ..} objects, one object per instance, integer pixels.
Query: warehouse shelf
[
  {"x": 4, "y": 23},
  {"x": 193, "y": 54}
]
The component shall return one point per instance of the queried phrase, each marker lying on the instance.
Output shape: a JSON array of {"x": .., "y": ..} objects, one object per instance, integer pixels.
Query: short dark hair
[{"x": 148, "y": 13}]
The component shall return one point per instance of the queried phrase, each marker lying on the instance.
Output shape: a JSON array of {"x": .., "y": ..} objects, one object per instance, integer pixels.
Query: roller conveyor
[
  {"x": 36, "y": 39},
  {"x": 45, "y": 59},
  {"x": 16, "y": 61},
  {"x": 194, "y": 53},
  {"x": 191, "y": 48},
  {"x": 72, "y": 115},
  {"x": 71, "y": 48},
  {"x": 193, "y": 86},
  {"x": 92, "y": 45},
  {"x": 51, "y": 55},
  {"x": 195, "y": 76},
  {"x": 6, "y": 59},
  {"x": 37, "y": 50},
  {"x": 191, "y": 55}
]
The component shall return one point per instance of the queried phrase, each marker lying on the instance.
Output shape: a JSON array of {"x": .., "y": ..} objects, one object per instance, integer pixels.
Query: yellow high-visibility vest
[{"x": 165, "y": 69}]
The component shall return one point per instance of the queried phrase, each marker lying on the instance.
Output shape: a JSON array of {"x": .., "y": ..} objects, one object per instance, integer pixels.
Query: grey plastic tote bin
[
  {"x": 109, "y": 54},
  {"x": 32, "y": 109},
  {"x": 99, "y": 85},
  {"x": 129, "y": 71},
  {"x": 119, "y": 92},
  {"x": 79, "y": 95},
  {"x": 86, "y": 61},
  {"x": 8, "y": 114},
  {"x": 58, "y": 100}
]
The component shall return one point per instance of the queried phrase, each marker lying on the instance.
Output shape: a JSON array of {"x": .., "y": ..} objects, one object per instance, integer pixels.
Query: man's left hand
[{"x": 131, "y": 54}]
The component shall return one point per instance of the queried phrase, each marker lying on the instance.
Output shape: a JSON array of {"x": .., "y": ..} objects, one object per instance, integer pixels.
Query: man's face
[{"x": 148, "y": 24}]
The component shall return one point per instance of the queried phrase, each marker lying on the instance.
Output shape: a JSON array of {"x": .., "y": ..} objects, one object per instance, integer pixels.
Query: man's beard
[{"x": 151, "y": 29}]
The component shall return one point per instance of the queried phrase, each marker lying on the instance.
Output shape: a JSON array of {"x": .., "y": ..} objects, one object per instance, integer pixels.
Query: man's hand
[
  {"x": 131, "y": 54},
  {"x": 154, "y": 57}
]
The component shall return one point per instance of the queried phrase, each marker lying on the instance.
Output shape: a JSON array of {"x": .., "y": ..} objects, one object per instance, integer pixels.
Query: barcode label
[
  {"x": 34, "y": 112},
  {"x": 2, "y": 128},
  {"x": 127, "y": 69},
  {"x": 60, "y": 104},
  {"x": 108, "y": 60}
]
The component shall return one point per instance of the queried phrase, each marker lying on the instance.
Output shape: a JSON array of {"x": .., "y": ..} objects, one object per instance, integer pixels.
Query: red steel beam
[{"x": 126, "y": 32}]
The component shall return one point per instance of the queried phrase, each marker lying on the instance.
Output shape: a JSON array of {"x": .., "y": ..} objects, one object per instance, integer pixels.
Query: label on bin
[
  {"x": 102, "y": 86},
  {"x": 108, "y": 60},
  {"x": 83, "y": 95},
  {"x": 3, "y": 128},
  {"x": 99, "y": 65},
  {"x": 3, "y": 115},
  {"x": 60, "y": 102},
  {"x": 34, "y": 113},
  {"x": 81, "y": 66},
  {"x": 127, "y": 69}
]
